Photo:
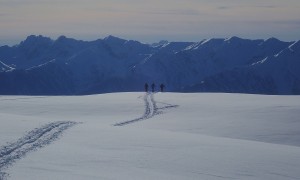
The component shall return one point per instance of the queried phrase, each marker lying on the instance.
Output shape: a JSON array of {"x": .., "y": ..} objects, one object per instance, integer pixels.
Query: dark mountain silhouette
[{"x": 40, "y": 65}]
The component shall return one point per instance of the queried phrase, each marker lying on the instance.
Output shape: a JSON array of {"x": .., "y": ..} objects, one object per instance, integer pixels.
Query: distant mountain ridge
[{"x": 65, "y": 66}]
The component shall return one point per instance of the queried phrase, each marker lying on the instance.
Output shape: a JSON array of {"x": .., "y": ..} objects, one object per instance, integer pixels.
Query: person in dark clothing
[
  {"x": 162, "y": 86},
  {"x": 153, "y": 87},
  {"x": 146, "y": 87}
]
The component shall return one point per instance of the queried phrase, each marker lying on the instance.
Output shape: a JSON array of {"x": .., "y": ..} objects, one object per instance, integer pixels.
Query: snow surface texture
[
  {"x": 42, "y": 66},
  {"x": 33, "y": 140},
  {"x": 209, "y": 136},
  {"x": 150, "y": 110}
]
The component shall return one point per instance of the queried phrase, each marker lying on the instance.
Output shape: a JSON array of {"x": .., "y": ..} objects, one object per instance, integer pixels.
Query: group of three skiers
[{"x": 162, "y": 86}]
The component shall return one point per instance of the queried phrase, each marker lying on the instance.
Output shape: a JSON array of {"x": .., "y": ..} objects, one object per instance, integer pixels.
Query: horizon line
[{"x": 127, "y": 39}]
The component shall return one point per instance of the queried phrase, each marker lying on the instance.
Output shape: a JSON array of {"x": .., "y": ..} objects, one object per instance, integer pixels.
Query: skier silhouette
[
  {"x": 146, "y": 87},
  {"x": 162, "y": 86},
  {"x": 153, "y": 87}
]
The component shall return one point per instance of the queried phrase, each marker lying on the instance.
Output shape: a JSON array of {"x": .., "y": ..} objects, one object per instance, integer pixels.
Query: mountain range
[{"x": 66, "y": 66}]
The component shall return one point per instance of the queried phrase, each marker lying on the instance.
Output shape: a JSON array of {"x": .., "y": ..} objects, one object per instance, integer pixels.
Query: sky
[{"x": 149, "y": 21}]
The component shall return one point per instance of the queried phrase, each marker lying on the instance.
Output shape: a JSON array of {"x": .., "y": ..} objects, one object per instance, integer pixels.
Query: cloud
[
  {"x": 266, "y": 6},
  {"x": 190, "y": 18},
  {"x": 291, "y": 23},
  {"x": 14, "y": 3},
  {"x": 224, "y": 7},
  {"x": 190, "y": 12},
  {"x": 247, "y": 6},
  {"x": 162, "y": 11}
]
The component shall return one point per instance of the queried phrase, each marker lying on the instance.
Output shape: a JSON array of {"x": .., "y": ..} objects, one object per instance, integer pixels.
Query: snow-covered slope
[
  {"x": 150, "y": 136},
  {"x": 275, "y": 74},
  {"x": 113, "y": 65},
  {"x": 5, "y": 67}
]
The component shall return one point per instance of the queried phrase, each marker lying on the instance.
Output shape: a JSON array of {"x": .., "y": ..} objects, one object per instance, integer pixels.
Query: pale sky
[{"x": 149, "y": 20}]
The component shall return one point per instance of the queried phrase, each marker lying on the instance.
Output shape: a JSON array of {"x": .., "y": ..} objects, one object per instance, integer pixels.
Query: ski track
[
  {"x": 23, "y": 98},
  {"x": 151, "y": 110},
  {"x": 48, "y": 133},
  {"x": 32, "y": 141}
]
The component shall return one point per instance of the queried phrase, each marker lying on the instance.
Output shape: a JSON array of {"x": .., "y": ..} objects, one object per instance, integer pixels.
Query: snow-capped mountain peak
[{"x": 114, "y": 64}]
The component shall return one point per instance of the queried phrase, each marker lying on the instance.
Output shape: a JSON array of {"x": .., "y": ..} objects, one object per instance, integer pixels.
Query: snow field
[{"x": 208, "y": 136}]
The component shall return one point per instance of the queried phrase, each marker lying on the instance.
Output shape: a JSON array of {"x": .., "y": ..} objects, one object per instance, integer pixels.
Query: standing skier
[
  {"x": 146, "y": 87},
  {"x": 153, "y": 87},
  {"x": 162, "y": 86}
]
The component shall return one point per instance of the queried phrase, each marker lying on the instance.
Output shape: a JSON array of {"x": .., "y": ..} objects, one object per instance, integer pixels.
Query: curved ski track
[
  {"x": 151, "y": 110},
  {"x": 48, "y": 133},
  {"x": 33, "y": 140}
]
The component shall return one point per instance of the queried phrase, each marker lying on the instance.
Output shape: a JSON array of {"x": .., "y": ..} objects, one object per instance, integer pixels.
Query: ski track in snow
[
  {"x": 48, "y": 133},
  {"x": 23, "y": 98},
  {"x": 33, "y": 140},
  {"x": 151, "y": 110}
]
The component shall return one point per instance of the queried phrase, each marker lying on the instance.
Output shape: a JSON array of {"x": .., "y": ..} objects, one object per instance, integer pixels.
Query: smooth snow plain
[{"x": 172, "y": 136}]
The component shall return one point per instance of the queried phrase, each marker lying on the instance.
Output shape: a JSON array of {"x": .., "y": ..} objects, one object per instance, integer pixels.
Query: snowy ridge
[
  {"x": 260, "y": 62},
  {"x": 41, "y": 65},
  {"x": 195, "y": 46},
  {"x": 291, "y": 46},
  {"x": 4, "y": 67},
  {"x": 33, "y": 140}
]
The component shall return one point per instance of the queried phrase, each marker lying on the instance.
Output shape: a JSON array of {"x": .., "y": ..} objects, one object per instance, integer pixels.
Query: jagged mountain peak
[
  {"x": 64, "y": 39},
  {"x": 233, "y": 39},
  {"x": 35, "y": 37},
  {"x": 272, "y": 40},
  {"x": 61, "y": 38},
  {"x": 237, "y": 40},
  {"x": 99, "y": 66},
  {"x": 33, "y": 40},
  {"x": 114, "y": 39}
]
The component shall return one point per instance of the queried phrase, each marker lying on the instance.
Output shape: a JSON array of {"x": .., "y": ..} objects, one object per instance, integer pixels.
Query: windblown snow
[{"x": 150, "y": 136}]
